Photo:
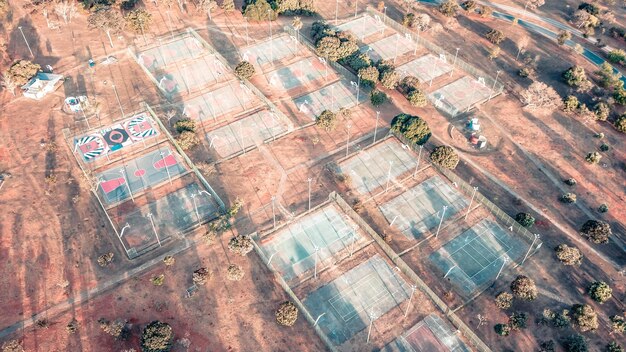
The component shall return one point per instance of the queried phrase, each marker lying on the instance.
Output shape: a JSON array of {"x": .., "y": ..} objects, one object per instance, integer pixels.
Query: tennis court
[
  {"x": 170, "y": 51},
  {"x": 363, "y": 26},
  {"x": 293, "y": 249},
  {"x": 370, "y": 168},
  {"x": 341, "y": 94},
  {"x": 145, "y": 171},
  {"x": 247, "y": 132},
  {"x": 190, "y": 75},
  {"x": 474, "y": 258},
  {"x": 389, "y": 48},
  {"x": 351, "y": 301},
  {"x": 275, "y": 49},
  {"x": 430, "y": 334},
  {"x": 298, "y": 74},
  {"x": 233, "y": 98},
  {"x": 460, "y": 95},
  {"x": 426, "y": 68},
  {"x": 420, "y": 209}
]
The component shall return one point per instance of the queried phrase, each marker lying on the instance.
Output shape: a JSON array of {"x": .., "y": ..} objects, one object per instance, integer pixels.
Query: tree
[
  {"x": 412, "y": 128},
  {"x": 107, "y": 20},
  {"x": 593, "y": 158},
  {"x": 408, "y": 84},
  {"x": 541, "y": 96},
  {"x": 422, "y": 21},
  {"x": 602, "y": 111},
  {"x": 568, "y": 255},
  {"x": 187, "y": 140},
  {"x": 495, "y": 36},
  {"x": 518, "y": 320},
  {"x": 563, "y": 37},
  {"x": 22, "y": 71},
  {"x": 287, "y": 314},
  {"x": 568, "y": 198},
  {"x": 620, "y": 123},
  {"x": 445, "y": 157},
  {"x": 620, "y": 96},
  {"x": 494, "y": 52},
  {"x": 234, "y": 272},
  {"x": 389, "y": 79},
  {"x": 327, "y": 119},
  {"x": 139, "y": 20},
  {"x": 576, "y": 77},
  {"x": 259, "y": 10},
  {"x": 417, "y": 98},
  {"x": 600, "y": 291},
  {"x": 168, "y": 260},
  {"x": 241, "y": 244},
  {"x": 618, "y": 324},
  {"x": 105, "y": 259},
  {"x": 469, "y": 5},
  {"x": 486, "y": 11},
  {"x": 584, "y": 317},
  {"x": 525, "y": 219},
  {"x": 228, "y": 6},
  {"x": 12, "y": 346},
  {"x": 9, "y": 83},
  {"x": 294, "y": 7},
  {"x": 502, "y": 329},
  {"x": 66, "y": 10},
  {"x": 206, "y": 6},
  {"x": 157, "y": 337},
  {"x": 504, "y": 300},
  {"x": 185, "y": 124},
  {"x": 378, "y": 98},
  {"x": 328, "y": 47},
  {"x": 4, "y": 7},
  {"x": 408, "y": 20},
  {"x": 158, "y": 280},
  {"x": 608, "y": 78},
  {"x": 534, "y": 4},
  {"x": 524, "y": 288},
  {"x": 118, "y": 328},
  {"x": 617, "y": 56},
  {"x": 201, "y": 276},
  {"x": 244, "y": 70},
  {"x": 570, "y": 104},
  {"x": 613, "y": 346},
  {"x": 586, "y": 21},
  {"x": 449, "y": 8},
  {"x": 358, "y": 60},
  {"x": 575, "y": 343},
  {"x": 369, "y": 76}
]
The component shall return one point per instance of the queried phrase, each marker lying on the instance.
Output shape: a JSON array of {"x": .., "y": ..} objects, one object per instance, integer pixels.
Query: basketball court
[
  {"x": 389, "y": 48},
  {"x": 426, "y": 68},
  {"x": 337, "y": 95},
  {"x": 363, "y": 26},
  {"x": 460, "y": 95}
]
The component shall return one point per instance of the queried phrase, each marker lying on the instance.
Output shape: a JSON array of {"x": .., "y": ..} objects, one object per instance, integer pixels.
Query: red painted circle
[{"x": 140, "y": 172}]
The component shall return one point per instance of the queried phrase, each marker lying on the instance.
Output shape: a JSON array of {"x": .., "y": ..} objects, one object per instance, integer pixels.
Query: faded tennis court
[
  {"x": 190, "y": 75},
  {"x": 148, "y": 170},
  {"x": 460, "y": 95},
  {"x": 429, "y": 335},
  {"x": 425, "y": 68},
  {"x": 363, "y": 26},
  {"x": 298, "y": 74},
  {"x": 389, "y": 48},
  {"x": 473, "y": 259},
  {"x": 420, "y": 209},
  {"x": 341, "y": 94},
  {"x": 363, "y": 294},
  {"x": 371, "y": 168},
  {"x": 274, "y": 49},
  {"x": 292, "y": 250},
  {"x": 232, "y": 98},
  {"x": 168, "y": 51},
  {"x": 247, "y": 132}
]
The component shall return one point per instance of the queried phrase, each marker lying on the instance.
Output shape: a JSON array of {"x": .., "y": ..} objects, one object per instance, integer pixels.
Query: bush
[
  {"x": 525, "y": 219},
  {"x": 244, "y": 70},
  {"x": 185, "y": 124},
  {"x": 408, "y": 84},
  {"x": 105, "y": 259},
  {"x": 389, "y": 79},
  {"x": 412, "y": 128},
  {"x": 602, "y": 111},
  {"x": 234, "y": 272},
  {"x": 449, "y": 8},
  {"x": 469, "y": 5},
  {"x": 502, "y": 329},
  {"x": 584, "y": 317},
  {"x": 241, "y": 244},
  {"x": 603, "y": 208},
  {"x": 600, "y": 291},
  {"x": 568, "y": 198},
  {"x": 614, "y": 347},
  {"x": 576, "y": 77},
  {"x": 504, "y": 300},
  {"x": 22, "y": 71},
  {"x": 334, "y": 46},
  {"x": 369, "y": 76},
  {"x": 287, "y": 314},
  {"x": 604, "y": 147},
  {"x": 378, "y": 98},
  {"x": 187, "y": 140},
  {"x": 417, "y": 98},
  {"x": 568, "y": 255},
  {"x": 617, "y": 56},
  {"x": 358, "y": 60},
  {"x": 258, "y": 10},
  {"x": 118, "y": 329},
  {"x": 570, "y": 104},
  {"x": 169, "y": 260},
  {"x": 408, "y": 20},
  {"x": 327, "y": 119},
  {"x": 618, "y": 324},
  {"x": 575, "y": 343},
  {"x": 620, "y": 123},
  {"x": 157, "y": 337},
  {"x": 596, "y": 231},
  {"x": 445, "y": 157},
  {"x": 495, "y": 36},
  {"x": 158, "y": 280},
  {"x": 524, "y": 288},
  {"x": 593, "y": 157},
  {"x": 139, "y": 20},
  {"x": 200, "y": 276},
  {"x": 518, "y": 320},
  {"x": 570, "y": 182}
]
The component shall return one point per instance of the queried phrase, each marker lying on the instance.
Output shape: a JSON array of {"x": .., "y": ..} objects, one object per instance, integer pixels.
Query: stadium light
[
  {"x": 376, "y": 128},
  {"x": 441, "y": 220},
  {"x": 26, "y": 41},
  {"x": 149, "y": 216},
  {"x": 471, "y": 201},
  {"x": 122, "y": 171}
]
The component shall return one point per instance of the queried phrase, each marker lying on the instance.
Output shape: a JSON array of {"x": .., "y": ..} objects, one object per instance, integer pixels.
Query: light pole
[
  {"x": 348, "y": 127},
  {"x": 471, "y": 201},
  {"x": 376, "y": 128},
  {"x": 369, "y": 330},
  {"x": 127, "y": 226},
  {"x": 357, "y": 84},
  {"x": 309, "y": 180},
  {"x": 274, "y": 210},
  {"x": 536, "y": 237},
  {"x": 413, "y": 288},
  {"x": 449, "y": 270},
  {"x": 353, "y": 241},
  {"x": 356, "y": 7},
  {"x": 149, "y": 215},
  {"x": 317, "y": 249},
  {"x": 269, "y": 12},
  {"x": 384, "y": 20},
  {"x": 419, "y": 158},
  {"x": 118, "y": 100},
  {"x": 395, "y": 56},
  {"x": 185, "y": 78},
  {"x": 247, "y": 37},
  {"x": 318, "y": 318},
  {"x": 26, "y": 41},
  {"x": 494, "y": 84},
  {"x": 336, "y": 10},
  {"x": 195, "y": 206},
  {"x": 504, "y": 261},
  {"x": 454, "y": 63},
  {"x": 169, "y": 176},
  {"x": 441, "y": 220},
  {"x": 122, "y": 171},
  {"x": 388, "y": 177}
]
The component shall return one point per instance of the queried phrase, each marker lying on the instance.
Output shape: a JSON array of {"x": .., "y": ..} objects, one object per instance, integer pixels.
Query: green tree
[
  {"x": 618, "y": 324},
  {"x": 287, "y": 314},
  {"x": 22, "y": 71},
  {"x": 206, "y": 6},
  {"x": 563, "y": 37},
  {"x": 244, "y": 70},
  {"x": 584, "y": 317},
  {"x": 518, "y": 320},
  {"x": 576, "y": 77},
  {"x": 417, "y": 98},
  {"x": 608, "y": 78},
  {"x": 412, "y": 128},
  {"x": 575, "y": 343},
  {"x": 525, "y": 219},
  {"x": 241, "y": 244},
  {"x": 185, "y": 124},
  {"x": 617, "y": 56},
  {"x": 259, "y": 10},
  {"x": 228, "y": 6},
  {"x": 389, "y": 79},
  {"x": 369, "y": 76},
  {"x": 139, "y": 20},
  {"x": 596, "y": 231},
  {"x": 107, "y": 20},
  {"x": 157, "y": 337},
  {"x": 495, "y": 36},
  {"x": 408, "y": 84},
  {"x": 620, "y": 123},
  {"x": 378, "y": 98},
  {"x": 600, "y": 291},
  {"x": 502, "y": 329},
  {"x": 620, "y": 96},
  {"x": 358, "y": 60},
  {"x": 504, "y": 300},
  {"x": 327, "y": 119},
  {"x": 570, "y": 104},
  {"x": 445, "y": 157},
  {"x": 408, "y": 20},
  {"x": 449, "y": 8},
  {"x": 568, "y": 255},
  {"x": 602, "y": 111},
  {"x": 469, "y": 5},
  {"x": 524, "y": 288},
  {"x": 187, "y": 140},
  {"x": 613, "y": 346}
]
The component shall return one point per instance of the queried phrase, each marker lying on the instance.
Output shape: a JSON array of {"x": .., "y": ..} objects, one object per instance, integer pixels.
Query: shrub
[
  {"x": 139, "y": 20},
  {"x": 570, "y": 104},
  {"x": 593, "y": 157},
  {"x": 169, "y": 260},
  {"x": 602, "y": 111},
  {"x": 469, "y": 5},
  {"x": 576, "y": 77},
  {"x": 22, "y": 71},
  {"x": 570, "y": 182},
  {"x": 563, "y": 37},
  {"x": 596, "y": 231},
  {"x": 241, "y": 244},
  {"x": 158, "y": 280},
  {"x": 620, "y": 123},
  {"x": 157, "y": 337},
  {"x": 378, "y": 98},
  {"x": 258, "y": 10},
  {"x": 412, "y": 128},
  {"x": 118, "y": 329},
  {"x": 524, "y": 288},
  {"x": 617, "y": 56},
  {"x": 518, "y": 320},
  {"x": 358, "y": 60},
  {"x": 185, "y": 124},
  {"x": 389, "y": 79},
  {"x": 618, "y": 324},
  {"x": 105, "y": 259},
  {"x": 504, "y": 300},
  {"x": 547, "y": 346},
  {"x": 568, "y": 198},
  {"x": 575, "y": 343},
  {"x": 525, "y": 219},
  {"x": 327, "y": 119},
  {"x": 244, "y": 70},
  {"x": 417, "y": 98},
  {"x": 495, "y": 36},
  {"x": 445, "y": 157},
  {"x": 201, "y": 276},
  {"x": 614, "y": 347},
  {"x": 287, "y": 314},
  {"x": 502, "y": 329},
  {"x": 187, "y": 140},
  {"x": 603, "y": 208},
  {"x": 600, "y": 291},
  {"x": 234, "y": 272},
  {"x": 449, "y": 8},
  {"x": 485, "y": 11},
  {"x": 408, "y": 84},
  {"x": 604, "y": 147},
  {"x": 584, "y": 317},
  {"x": 408, "y": 20},
  {"x": 369, "y": 76},
  {"x": 568, "y": 255}
]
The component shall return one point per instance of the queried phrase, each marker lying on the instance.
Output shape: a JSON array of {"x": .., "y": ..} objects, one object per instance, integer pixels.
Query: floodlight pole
[
  {"x": 270, "y": 259},
  {"x": 122, "y": 171},
  {"x": 353, "y": 241},
  {"x": 26, "y": 41},
  {"x": 494, "y": 85},
  {"x": 332, "y": 97},
  {"x": 454, "y": 64},
  {"x": 348, "y": 127},
  {"x": 211, "y": 107},
  {"x": 419, "y": 158},
  {"x": 396, "y": 53},
  {"x": 471, "y": 201},
  {"x": 356, "y": 7},
  {"x": 118, "y": 100},
  {"x": 161, "y": 52},
  {"x": 122, "y": 230},
  {"x": 441, "y": 220},
  {"x": 384, "y": 20},
  {"x": 309, "y": 180},
  {"x": 376, "y": 128},
  {"x": 388, "y": 177},
  {"x": 358, "y": 87},
  {"x": 149, "y": 215},
  {"x": 274, "y": 210},
  {"x": 413, "y": 288},
  {"x": 185, "y": 79},
  {"x": 316, "y": 259},
  {"x": 504, "y": 261},
  {"x": 369, "y": 330},
  {"x": 243, "y": 145},
  {"x": 363, "y": 28},
  {"x": 166, "y": 168},
  {"x": 318, "y": 318},
  {"x": 195, "y": 206},
  {"x": 336, "y": 11},
  {"x": 536, "y": 237},
  {"x": 449, "y": 270}
]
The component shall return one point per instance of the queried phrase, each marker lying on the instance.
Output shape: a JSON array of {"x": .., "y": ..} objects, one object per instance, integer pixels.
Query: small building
[{"x": 42, "y": 84}]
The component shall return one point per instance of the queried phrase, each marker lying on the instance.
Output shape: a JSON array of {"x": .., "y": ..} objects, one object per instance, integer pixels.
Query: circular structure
[{"x": 116, "y": 137}]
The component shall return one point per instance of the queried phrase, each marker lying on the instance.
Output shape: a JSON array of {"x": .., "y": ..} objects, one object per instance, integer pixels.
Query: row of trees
[{"x": 268, "y": 10}]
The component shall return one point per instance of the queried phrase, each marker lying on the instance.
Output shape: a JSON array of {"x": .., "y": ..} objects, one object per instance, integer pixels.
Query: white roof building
[{"x": 41, "y": 84}]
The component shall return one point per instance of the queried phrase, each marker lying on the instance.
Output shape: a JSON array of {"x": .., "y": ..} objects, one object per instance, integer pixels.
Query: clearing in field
[
  {"x": 460, "y": 95},
  {"x": 341, "y": 94},
  {"x": 426, "y": 68},
  {"x": 298, "y": 74},
  {"x": 475, "y": 258},
  {"x": 376, "y": 167},
  {"x": 232, "y": 98},
  {"x": 389, "y": 48},
  {"x": 363, "y": 26},
  {"x": 423, "y": 207},
  {"x": 273, "y": 49},
  {"x": 430, "y": 334}
]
